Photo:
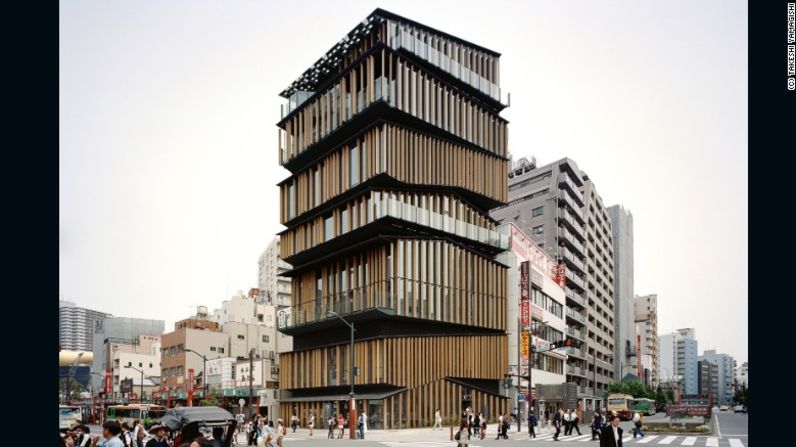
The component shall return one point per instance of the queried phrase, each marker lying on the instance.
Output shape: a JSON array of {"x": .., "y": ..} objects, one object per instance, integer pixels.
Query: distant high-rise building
[
  {"x": 742, "y": 374},
  {"x": 76, "y": 326},
  {"x": 679, "y": 357},
  {"x": 726, "y": 375},
  {"x": 646, "y": 319},
  {"x": 115, "y": 335},
  {"x": 624, "y": 309},
  {"x": 708, "y": 379},
  {"x": 558, "y": 207},
  {"x": 274, "y": 286}
]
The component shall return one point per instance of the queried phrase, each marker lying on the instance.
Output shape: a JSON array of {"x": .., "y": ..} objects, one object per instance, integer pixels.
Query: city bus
[
  {"x": 643, "y": 405},
  {"x": 146, "y": 413},
  {"x": 620, "y": 405},
  {"x": 69, "y": 416}
]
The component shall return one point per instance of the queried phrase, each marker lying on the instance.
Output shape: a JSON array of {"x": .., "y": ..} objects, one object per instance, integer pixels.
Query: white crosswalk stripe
[
  {"x": 579, "y": 438},
  {"x": 647, "y": 439},
  {"x": 627, "y": 439},
  {"x": 735, "y": 442},
  {"x": 689, "y": 440},
  {"x": 667, "y": 440},
  {"x": 712, "y": 442}
]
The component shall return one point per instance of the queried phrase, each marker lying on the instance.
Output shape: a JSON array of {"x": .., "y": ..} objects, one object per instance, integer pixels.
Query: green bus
[
  {"x": 643, "y": 406},
  {"x": 146, "y": 413}
]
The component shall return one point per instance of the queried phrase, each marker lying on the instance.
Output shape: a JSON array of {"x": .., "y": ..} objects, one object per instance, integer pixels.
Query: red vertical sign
[
  {"x": 107, "y": 382},
  {"x": 524, "y": 281},
  {"x": 561, "y": 274},
  {"x": 525, "y": 314}
]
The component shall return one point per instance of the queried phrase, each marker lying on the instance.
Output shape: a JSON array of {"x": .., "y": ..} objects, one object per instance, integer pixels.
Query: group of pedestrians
[
  {"x": 341, "y": 423},
  {"x": 261, "y": 432}
]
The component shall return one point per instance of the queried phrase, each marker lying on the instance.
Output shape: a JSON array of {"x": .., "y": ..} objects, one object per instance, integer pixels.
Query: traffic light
[{"x": 575, "y": 343}]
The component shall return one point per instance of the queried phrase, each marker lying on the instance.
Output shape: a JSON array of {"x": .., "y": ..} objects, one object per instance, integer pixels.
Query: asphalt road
[{"x": 733, "y": 424}]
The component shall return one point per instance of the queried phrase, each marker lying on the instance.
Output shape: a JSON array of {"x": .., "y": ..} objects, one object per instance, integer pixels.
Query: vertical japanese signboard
[
  {"x": 525, "y": 347},
  {"x": 525, "y": 290},
  {"x": 561, "y": 274}
]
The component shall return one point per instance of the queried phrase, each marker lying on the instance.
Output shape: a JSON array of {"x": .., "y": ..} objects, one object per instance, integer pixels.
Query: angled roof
[{"x": 326, "y": 67}]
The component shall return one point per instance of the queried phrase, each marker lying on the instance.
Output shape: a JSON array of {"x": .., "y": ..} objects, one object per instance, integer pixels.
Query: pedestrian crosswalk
[{"x": 678, "y": 440}]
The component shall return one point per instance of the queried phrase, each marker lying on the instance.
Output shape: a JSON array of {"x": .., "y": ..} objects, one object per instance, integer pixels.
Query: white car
[
  {"x": 724, "y": 408},
  {"x": 739, "y": 409}
]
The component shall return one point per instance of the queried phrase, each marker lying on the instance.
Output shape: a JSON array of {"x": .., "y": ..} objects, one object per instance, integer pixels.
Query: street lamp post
[
  {"x": 141, "y": 397},
  {"x": 204, "y": 371},
  {"x": 352, "y": 412}
]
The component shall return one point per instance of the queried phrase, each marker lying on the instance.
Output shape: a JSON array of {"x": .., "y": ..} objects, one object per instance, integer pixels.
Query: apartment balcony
[
  {"x": 577, "y": 353},
  {"x": 575, "y": 297},
  {"x": 573, "y": 260},
  {"x": 565, "y": 181},
  {"x": 580, "y": 335},
  {"x": 574, "y": 279},
  {"x": 575, "y": 371},
  {"x": 568, "y": 219},
  {"x": 577, "y": 316},
  {"x": 575, "y": 208},
  {"x": 569, "y": 239}
]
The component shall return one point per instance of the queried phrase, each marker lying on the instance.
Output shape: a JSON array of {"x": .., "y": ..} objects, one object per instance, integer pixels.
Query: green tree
[
  {"x": 660, "y": 398},
  {"x": 74, "y": 388},
  {"x": 669, "y": 396},
  {"x": 213, "y": 398}
]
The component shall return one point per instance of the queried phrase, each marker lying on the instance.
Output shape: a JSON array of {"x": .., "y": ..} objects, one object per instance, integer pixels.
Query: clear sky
[{"x": 168, "y": 143}]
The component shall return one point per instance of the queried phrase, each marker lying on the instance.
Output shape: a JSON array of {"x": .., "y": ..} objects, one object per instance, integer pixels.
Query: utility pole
[{"x": 251, "y": 382}]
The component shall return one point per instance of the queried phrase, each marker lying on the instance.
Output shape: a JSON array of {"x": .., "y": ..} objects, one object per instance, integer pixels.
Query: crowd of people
[{"x": 115, "y": 434}]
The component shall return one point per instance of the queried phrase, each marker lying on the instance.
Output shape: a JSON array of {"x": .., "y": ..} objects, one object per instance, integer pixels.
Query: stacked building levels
[
  {"x": 678, "y": 357},
  {"x": 274, "y": 287},
  {"x": 725, "y": 373},
  {"x": 558, "y": 207},
  {"x": 626, "y": 360},
  {"x": 646, "y": 318},
  {"x": 396, "y": 152},
  {"x": 76, "y": 326}
]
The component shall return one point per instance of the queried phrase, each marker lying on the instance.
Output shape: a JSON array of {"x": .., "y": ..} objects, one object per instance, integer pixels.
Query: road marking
[
  {"x": 647, "y": 439},
  {"x": 667, "y": 440},
  {"x": 712, "y": 442},
  {"x": 734, "y": 442},
  {"x": 579, "y": 438},
  {"x": 627, "y": 439},
  {"x": 718, "y": 426},
  {"x": 689, "y": 440}
]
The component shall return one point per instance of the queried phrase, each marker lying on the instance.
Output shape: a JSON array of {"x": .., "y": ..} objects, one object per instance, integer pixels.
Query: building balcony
[
  {"x": 580, "y": 335},
  {"x": 575, "y": 297},
  {"x": 574, "y": 279},
  {"x": 565, "y": 196},
  {"x": 568, "y": 219},
  {"x": 575, "y": 371},
  {"x": 565, "y": 181},
  {"x": 573, "y": 260},
  {"x": 577, "y": 353},
  {"x": 577, "y": 316},
  {"x": 566, "y": 236}
]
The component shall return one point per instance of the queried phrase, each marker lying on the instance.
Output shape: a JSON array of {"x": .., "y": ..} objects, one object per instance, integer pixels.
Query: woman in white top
[{"x": 311, "y": 423}]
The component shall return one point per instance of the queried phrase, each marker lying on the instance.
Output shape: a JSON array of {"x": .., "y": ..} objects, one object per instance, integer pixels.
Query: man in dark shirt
[
  {"x": 611, "y": 435},
  {"x": 160, "y": 437}
]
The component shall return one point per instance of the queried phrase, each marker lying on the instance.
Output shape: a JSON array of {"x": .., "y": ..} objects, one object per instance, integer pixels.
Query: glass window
[
  {"x": 538, "y": 211},
  {"x": 291, "y": 200},
  {"x": 328, "y": 227},
  {"x": 354, "y": 166},
  {"x": 317, "y": 196},
  {"x": 344, "y": 221},
  {"x": 538, "y": 230}
]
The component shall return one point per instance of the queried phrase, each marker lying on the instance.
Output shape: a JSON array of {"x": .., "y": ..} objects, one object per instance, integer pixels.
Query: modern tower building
[
  {"x": 270, "y": 281},
  {"x": 559, "y": 208},
  {"x": 625, "y": 346},
  {"x": 646, "y": 318},
  {"x": 396, "y": 152},
  {"x": 678, "y": 352},
  {"x": 725, "y": 374},
  {"x": 76, "y": 326}
]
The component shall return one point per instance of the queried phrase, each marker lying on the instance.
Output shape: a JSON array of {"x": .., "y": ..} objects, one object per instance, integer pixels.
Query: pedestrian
[
  {"x": 83, "y": 436},
  {"x": 476, "y": 425},
  {"x": 127, "y": 437},
  {"x": 557, "y": 419},
  {"x": 506, "y": 426},
  {"x": 574, "y": 421},
  {"x": 201, "y": 441},
  {"x": 311, "y": 424},
  {"x": 437, "y": 420},
  {"x": 483, "y": 425},
  {"x": 596, "y": 425},
  {"x": 331, "y": 424},
  {"x": 547, "y": 417},
  {"x": 638, "y": 422},
  {"x": 611, "y": 435},
  {"x": 294, "y": 422},
  {"x": 160, "y": 439},
  {"x": 361, "y": 426},
  {"x": 567, "y": 423},
  {"x": 340, "y": 426},
  {"x": 470, "y": 421},
  {"x": 110, "y": 432},
  {"x": 138, "y": 433},
  {"x": 268, "y": 433},
  {"x": 499, "y": 427},
  {"x": 364, "y": 424},
  {"x": 531, "y": 424},
  {"x": 281, "y": 431},
  {"x": 463, "y": 435}
]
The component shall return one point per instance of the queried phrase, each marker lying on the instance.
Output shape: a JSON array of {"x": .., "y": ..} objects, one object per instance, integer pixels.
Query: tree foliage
[
  {"x": 213, "y": 398},
  {"x": 741, "y": 396},
  {"x": 634, "y": 388}
]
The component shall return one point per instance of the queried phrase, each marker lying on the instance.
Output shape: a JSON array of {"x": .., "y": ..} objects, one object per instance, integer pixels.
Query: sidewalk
[{"x": 417, "y": 434}]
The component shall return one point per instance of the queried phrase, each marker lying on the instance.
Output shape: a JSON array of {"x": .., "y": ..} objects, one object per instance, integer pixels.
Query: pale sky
[{"x": 168, "y": 143}]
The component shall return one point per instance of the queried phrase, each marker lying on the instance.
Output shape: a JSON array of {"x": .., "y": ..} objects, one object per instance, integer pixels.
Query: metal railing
[
  {"x": 570, "y": 238},
  {"x": 565, "y": 179},
  {"x": 576, "y": 297},
  {"x": 574, "y": 278}
]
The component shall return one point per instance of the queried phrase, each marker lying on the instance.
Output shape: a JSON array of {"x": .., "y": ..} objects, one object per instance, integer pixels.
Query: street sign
[
  {"x": 126, "y": 386},
  {"x": 241, "y": 402},
  {"x": 520, "y": 398}
]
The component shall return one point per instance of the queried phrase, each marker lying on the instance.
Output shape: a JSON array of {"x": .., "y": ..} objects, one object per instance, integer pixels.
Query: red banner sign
[
  {"x": 525, "y": 314},
  {"x": 107, "y": 381},
  {"x": 560, "y": 274},
  {"x": 525, "y": 291}
]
